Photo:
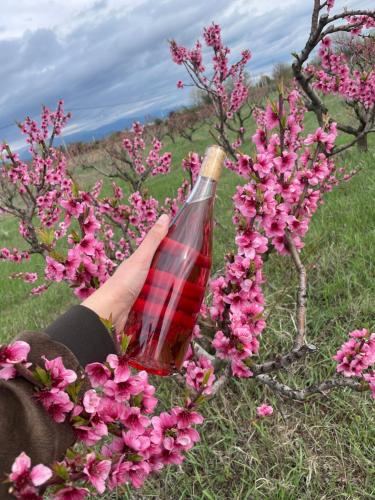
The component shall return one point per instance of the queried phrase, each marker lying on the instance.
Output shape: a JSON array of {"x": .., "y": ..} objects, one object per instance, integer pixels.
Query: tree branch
[
  {"x": 302, "y": 394},
  {"x": 300, "y": 339}
]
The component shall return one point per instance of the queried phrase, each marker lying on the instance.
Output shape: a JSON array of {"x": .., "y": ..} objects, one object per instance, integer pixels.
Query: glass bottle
[{"x": 162, "y": 319}]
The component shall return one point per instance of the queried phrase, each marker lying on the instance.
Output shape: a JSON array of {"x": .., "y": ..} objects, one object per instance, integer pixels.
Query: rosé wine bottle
[{"x": 161, "y": 321}]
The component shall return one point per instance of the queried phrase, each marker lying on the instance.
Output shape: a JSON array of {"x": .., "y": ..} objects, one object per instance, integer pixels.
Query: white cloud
[{"x": 109, "y": 58}]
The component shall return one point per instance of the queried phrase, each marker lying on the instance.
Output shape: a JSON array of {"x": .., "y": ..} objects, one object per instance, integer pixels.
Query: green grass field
[{"x": 321, "y": 449}]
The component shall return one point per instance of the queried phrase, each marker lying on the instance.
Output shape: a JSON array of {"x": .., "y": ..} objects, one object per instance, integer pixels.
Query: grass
[{"x": 321, "y": 449}]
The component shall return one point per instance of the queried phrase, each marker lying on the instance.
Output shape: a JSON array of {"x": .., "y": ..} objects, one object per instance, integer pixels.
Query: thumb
[{"x": 145, "y": 252}]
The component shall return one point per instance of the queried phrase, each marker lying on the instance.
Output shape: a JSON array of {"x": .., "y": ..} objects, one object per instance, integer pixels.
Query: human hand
[{"x": 117, "y": 295}]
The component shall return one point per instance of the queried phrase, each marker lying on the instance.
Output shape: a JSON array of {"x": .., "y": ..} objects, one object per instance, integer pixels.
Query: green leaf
[
  {"x": 137, "y": 400},
  {"x": 206, "y": 377},
  {"x": 41, "y": 375},
  {"x": 57, "y": 256},
  {"x": 46, "y": 236},
  {"x": 133, "y": 457},
  {"x": 108, "y": 323},
  {"x": 125, "y": 341},
  {"x": 74, "y": 389},
  {"x": 75, "y": 236},
  {"x": 75, "y": 189},
  {"x": 70, "y": 454},
  {"x": 77, "y": 421},
  {"x": 61, "y": 471},
  {"x": 200, "y": 400}
]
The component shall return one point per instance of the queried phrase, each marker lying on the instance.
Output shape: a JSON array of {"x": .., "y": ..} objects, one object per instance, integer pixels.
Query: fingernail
[{"x": 163, "y": 220}]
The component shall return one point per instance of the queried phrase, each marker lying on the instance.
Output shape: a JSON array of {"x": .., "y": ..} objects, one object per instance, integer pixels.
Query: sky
[{"x": 109, "y": 59}]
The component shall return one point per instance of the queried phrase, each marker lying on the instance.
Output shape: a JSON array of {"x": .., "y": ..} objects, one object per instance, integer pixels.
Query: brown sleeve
[
  {"x": 79, "y": 337},
  {"x": 24, "y": 424}
]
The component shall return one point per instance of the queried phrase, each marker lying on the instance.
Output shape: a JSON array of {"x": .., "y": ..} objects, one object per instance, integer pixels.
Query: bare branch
[
  {"x": 300, "y": 339},
  {"x": 283, "y": 361},
  {"x": 303, "y": 394}
]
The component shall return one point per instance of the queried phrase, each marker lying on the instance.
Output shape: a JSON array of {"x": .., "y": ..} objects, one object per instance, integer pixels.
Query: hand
[{"x": 117, "y": 295}]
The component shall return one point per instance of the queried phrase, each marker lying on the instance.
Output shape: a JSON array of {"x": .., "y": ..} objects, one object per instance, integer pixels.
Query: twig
[
  {"x": 303, "y": 394},
  {"x": 283, "y": 361},
  {"x": 300, "y": 339}
]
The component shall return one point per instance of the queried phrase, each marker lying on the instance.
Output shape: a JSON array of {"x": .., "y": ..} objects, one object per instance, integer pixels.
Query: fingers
[
  {"x": 118, "y": 294},
  {"x": 146, "y": 250}
]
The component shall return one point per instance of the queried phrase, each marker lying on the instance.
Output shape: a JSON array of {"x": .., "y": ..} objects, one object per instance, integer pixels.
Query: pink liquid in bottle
[{"x": 162, "y": 318}]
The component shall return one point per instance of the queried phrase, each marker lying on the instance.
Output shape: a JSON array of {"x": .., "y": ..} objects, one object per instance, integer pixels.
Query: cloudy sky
[{"x": 109, "y": 59}]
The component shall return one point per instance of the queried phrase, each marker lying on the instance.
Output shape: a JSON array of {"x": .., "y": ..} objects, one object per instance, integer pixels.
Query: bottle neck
[{"x": 204, "y": 188}]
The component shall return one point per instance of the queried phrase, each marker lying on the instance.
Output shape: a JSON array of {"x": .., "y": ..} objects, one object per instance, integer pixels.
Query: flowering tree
[
  {"x": 280, "y": 188},
  {"x": 351, "y": 77}
]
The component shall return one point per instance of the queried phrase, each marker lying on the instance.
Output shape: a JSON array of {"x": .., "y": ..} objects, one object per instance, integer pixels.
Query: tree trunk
[{"x": 362, "y": 144}]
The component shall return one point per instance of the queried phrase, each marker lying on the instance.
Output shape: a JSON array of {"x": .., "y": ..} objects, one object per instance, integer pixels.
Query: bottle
[{"x": 162, "y": 319}]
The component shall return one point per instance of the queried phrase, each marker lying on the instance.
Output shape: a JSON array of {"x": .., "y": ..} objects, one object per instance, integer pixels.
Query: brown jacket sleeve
[{"x": 79, "y": 338}]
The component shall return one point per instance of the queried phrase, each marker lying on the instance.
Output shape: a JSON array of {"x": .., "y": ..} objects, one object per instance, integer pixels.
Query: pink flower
[
  {"x": 180, "y": 84},
  {"x": 91, "y": 401},
  {"x": 186, "y": 418},
  {"x": 60, "y": 376},
  {"x": 87, "y": 245},
  {"x": 10, "y": 355},
  {"x": 222, "y": 345},
  {"x": 23, "y": 475},
  {"x": 123, "y": 472},
  {"x": 239, "y": 368},
  {"x": 271, "y": 118},
  {"x": 370, "y": 379},
  {"x": 120, "y": 366},
  {"x": 264, "y": 410},
  {"x": 7, "y": 372},
  {"x": 71, "y": 493},
  {"x": 98, "y": 374},
  {"x": 91, "y": 434},
  {"x": 56, "y": 402},
  {"x": 134, "y": 421},
  {"x": 14, "y": 353},
  {"x": 97, "y": 471},
  {"x": 54, "y": 270},
  {"x": 357, "y": 354}
]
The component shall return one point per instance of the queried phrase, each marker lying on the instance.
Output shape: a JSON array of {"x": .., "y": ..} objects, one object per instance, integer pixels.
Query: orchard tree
[
  {"x": 348, "y": 74},
  {"x": 82, "y": 235}
]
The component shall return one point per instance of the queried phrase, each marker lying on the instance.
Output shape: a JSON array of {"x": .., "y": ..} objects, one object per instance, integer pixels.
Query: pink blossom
[
  {"x": 264, "y": 410},
  {"x": 357, "y": 354},
  {"x": 271, "y": 118},
  {"x": 54, "y": 270},
  {"x": 91, "y": 401},
  {"x": 91, "y": 434},
  {"x": 186, "y": 418},
  {"x": 23, "y": 475},
  {"x": 71, "y": 493},
  {"x": 120, "y": 367},
  {"x": 14, "y": 353},
  {"x": 199, "y": 371},
  {"x": 60, "y": 376},
  {"x": 370, "y": 379},
  {"x": 97, "y": 471},
  {"x": 134, "y": 421},
  {"x": 98, "y": 374},
  {"x": 57, "y": 403}
]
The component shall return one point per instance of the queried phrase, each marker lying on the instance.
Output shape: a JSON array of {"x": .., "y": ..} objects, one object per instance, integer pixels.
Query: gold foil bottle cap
[{"x": 213, "y": 162}]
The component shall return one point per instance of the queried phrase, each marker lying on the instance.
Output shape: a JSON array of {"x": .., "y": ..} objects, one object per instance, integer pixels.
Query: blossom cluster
[
  {"x": 120, "y": 405},
  {"x": 99, "y": 231},
  {"x": 135, "y": 145},
  {"x": 285, "y": 183},
  {"x": 338, "y": 76},
  {"x": 230, "y": 101},
  {"x": 356, "y": 357}
]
